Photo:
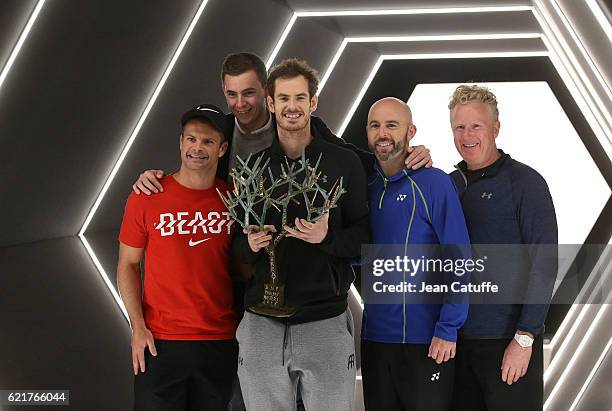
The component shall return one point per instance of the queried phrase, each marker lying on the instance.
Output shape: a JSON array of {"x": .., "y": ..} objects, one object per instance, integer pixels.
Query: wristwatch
[{"x": 523, "y": 340}]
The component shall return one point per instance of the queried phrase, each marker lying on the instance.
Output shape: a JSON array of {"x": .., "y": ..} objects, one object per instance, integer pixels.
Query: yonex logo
[
  {"x": 486, "y": 195},
  {"x": 401, "y": 197},
  {"x": 435, "y": 377}
]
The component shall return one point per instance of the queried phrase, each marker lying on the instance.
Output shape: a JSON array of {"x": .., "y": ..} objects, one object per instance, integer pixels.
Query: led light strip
[
  {"x": 364, "y": 88},
  {"x": 583, "y": 51},
  {"x": 281, "y": 41},
  {"x": 554, "y": 364},
  {"x": 22, "y": 39},
  {"x": 341, "y": 13},
  {"x": 579, "y": 82},
  {"x": 585, "y": 104},
  {"x": 384, "y": 57},
  {"x": 601, "y": 18},
  {"x": 108, "y": 283},
  {"x": 591, "y": 375},
  {"x": 564, "y": 324},
  {"x": 580, "y": 299},
  {"x": 127, "y": 147},
  {"x": 332, "y": 65},
  {"x": 387, "y": 12},
  {"x": 390, "y": 39},
  {"x": 575, "y": 355}
]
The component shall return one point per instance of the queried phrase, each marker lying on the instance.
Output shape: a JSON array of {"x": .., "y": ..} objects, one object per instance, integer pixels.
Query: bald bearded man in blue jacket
[{"x": 408, "y": 348}]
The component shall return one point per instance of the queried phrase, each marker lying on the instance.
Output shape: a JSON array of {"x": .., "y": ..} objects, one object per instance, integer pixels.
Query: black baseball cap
[{"x": 209, "y": 112}]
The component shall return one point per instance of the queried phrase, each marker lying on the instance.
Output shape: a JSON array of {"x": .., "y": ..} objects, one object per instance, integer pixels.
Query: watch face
[{"x": 524, "y": 340}]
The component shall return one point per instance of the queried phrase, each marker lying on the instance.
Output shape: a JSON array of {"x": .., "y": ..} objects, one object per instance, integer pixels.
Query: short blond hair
[{"x": 472, "y": 92}]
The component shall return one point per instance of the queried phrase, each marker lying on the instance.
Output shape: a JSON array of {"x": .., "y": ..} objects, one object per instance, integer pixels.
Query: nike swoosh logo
[{"x": 194, "y": 243}]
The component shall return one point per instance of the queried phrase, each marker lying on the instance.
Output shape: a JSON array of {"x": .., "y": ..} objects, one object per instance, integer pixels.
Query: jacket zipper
[
  {"x": 462, "y": 175},
  {"x": 335, "y": 278},
  {"x": 385, "y": 181}
]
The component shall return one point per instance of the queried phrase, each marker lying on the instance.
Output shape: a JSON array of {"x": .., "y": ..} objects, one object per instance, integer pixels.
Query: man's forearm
[{"x": 130, "y": 288}]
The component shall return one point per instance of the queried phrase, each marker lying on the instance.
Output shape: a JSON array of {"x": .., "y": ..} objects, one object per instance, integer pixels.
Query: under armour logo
[
  {"x": 240, "y": 361},
  {"x": 486, "y": 195},
  {"x": 351, "y": 362},
  {"x": 435, "y": 377},
  {"x": 401, "y": 197}
]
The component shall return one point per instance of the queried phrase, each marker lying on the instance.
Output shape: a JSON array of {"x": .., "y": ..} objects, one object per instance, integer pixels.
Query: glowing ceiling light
[
  {"x": 341, "y": 13},
  {"x": 332, "y": 65},
  {"x": 427, "y": 56},
  {"x": 388, "y": 39},
  {"x": 20, "y": 41},
  {"x": 588, "y": 107},
  {"x": 443, "y": 37},
  {"x": 281, "y": 41},
  {"x": 126, "y": 149},
  {"x": 384, "y": 57},
  {"x": 364, "y": 88},
  {"x": 387, "y": 12},
  {"x": 560, "y": 50},
  {"x": 583, "y": 51},
  {"x": 601, "y": 18}
]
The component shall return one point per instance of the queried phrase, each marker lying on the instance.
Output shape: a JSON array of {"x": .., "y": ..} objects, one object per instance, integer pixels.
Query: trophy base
[
  {"x": 273, "y": 303},
  {"x": 281, "y": 311}
]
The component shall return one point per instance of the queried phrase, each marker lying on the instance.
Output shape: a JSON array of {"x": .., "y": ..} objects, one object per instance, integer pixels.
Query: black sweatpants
[
  {"x": 478, "y": 383},
  {"x": 187, "y": 375},
  {"x": 402, "y": 377}
]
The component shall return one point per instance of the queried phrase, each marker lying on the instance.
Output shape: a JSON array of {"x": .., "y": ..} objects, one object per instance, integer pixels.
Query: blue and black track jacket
[
  {"x": 414, "y": 207},
  {"x": 509, "y": 203}
]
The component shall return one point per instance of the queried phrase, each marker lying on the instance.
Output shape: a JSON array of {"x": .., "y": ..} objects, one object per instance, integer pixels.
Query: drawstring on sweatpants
[{"x": 285, "y": 341}]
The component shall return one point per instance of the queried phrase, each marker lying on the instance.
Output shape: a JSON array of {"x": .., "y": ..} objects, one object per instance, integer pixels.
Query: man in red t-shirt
[{"x": 184, "y": 316}]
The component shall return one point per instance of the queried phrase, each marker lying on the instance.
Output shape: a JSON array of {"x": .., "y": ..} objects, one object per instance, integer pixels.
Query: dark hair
[
  {"x": 291, "y": 68},
  {"x": 239, "y": 63}
]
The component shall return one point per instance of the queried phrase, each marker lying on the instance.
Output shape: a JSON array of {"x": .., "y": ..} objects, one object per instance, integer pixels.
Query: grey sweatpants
[{"x": 274, "y": 358}]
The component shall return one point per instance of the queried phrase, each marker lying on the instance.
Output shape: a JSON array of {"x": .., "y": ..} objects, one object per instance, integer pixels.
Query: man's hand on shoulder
[
  {"x": 441, "y": 350},
  {"x": 418, "y": 156},
  {"x": 148, "y": 182},
  {"x": 141, "y": 339}
]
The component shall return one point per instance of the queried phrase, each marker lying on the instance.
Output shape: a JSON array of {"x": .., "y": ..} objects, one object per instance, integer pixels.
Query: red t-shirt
[{"x": 186, "y": 234}]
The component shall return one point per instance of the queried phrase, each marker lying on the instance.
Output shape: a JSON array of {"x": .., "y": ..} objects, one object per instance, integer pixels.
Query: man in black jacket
[{"x": 313, "y": 348}]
